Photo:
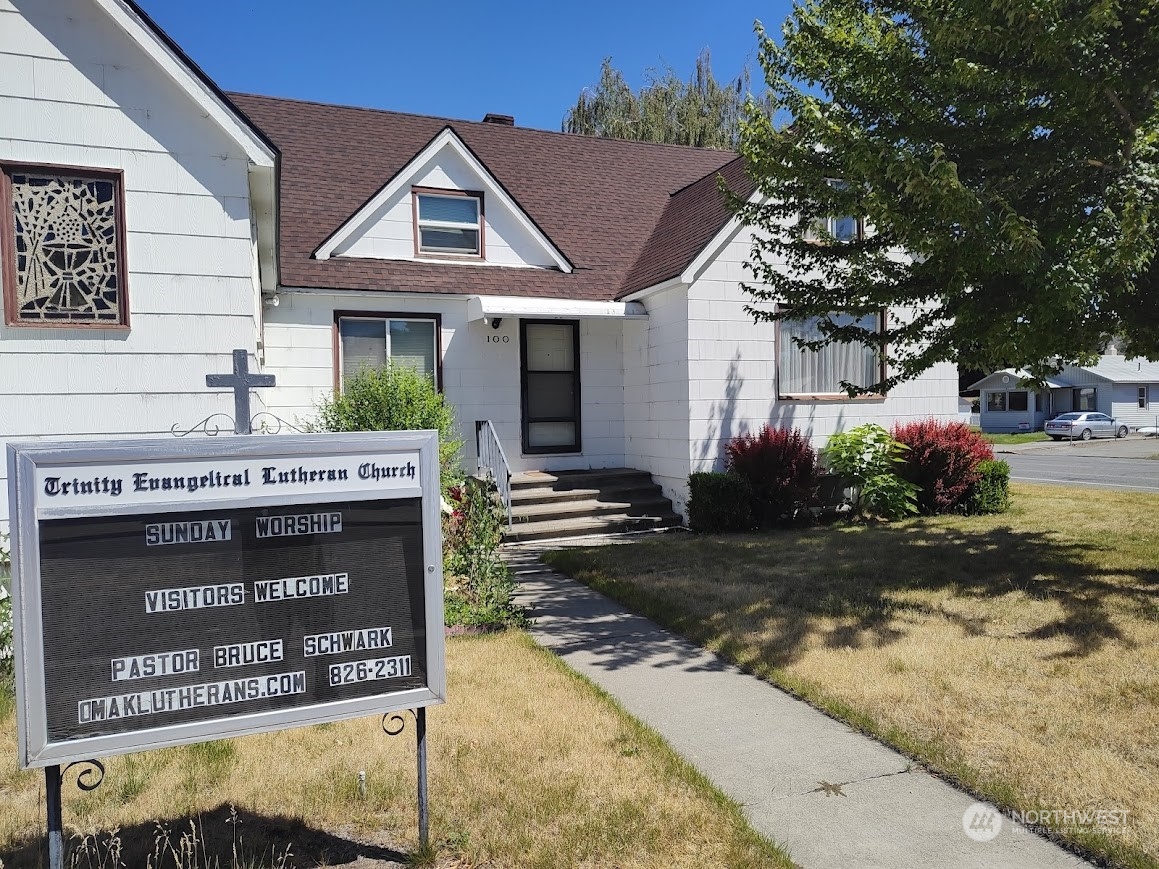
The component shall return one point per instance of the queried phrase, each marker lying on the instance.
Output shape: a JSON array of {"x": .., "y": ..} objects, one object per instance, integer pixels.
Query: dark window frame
[
  {"x": 1143, "y": 397},
  {"x": 1025, "y": 400},
  {"x": 577, "y": 403},
  {"x": 778, "y": 344},
  {"x": 336, "y": 338},
  {"x": 1076, "y": 399},
  {"x": 480, "y": 255},
  {"x": 991, "y": 395},
  {"x": 8, "y": 244}
]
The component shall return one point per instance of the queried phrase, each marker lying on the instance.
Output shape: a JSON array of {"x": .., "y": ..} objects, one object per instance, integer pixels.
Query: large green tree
[
  {"x": 666, "y": 109},
  {"x": 1007, "y": 147}
]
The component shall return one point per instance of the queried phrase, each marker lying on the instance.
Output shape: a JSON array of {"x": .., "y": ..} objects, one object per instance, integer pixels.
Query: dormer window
[{"x": 448, "y": 223}]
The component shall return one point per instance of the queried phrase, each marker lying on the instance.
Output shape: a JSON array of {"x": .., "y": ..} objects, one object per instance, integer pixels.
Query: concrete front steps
[{"x": 575, "y": 503}]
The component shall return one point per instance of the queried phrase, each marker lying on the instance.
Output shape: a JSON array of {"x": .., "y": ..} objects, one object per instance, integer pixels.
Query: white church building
[{"x": 581, "y": 295}]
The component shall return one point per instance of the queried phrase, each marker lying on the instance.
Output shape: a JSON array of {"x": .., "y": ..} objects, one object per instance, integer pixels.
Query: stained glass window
[{"x": 64, "y": 245}]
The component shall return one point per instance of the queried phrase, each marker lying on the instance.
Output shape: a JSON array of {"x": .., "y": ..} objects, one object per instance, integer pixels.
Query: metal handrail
[{"x": 493, "y": 461}]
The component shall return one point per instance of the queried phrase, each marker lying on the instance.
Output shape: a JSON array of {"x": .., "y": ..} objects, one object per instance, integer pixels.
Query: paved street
[{"x": 1111, "y": 464}]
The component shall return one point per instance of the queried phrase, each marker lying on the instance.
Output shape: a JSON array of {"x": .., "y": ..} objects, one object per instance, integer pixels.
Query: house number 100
[{"x": 495, "y": 339}]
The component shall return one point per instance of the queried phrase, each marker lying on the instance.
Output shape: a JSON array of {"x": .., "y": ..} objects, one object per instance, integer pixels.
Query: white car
[{"x": 1084, "y": 425}]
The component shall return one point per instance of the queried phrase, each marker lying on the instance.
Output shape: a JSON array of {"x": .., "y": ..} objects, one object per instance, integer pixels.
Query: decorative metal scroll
[
  {"x": 214, "y": 424},
  {"x": 206, "y": 426},
  {"x": 85, "y": 775},
  {"x": 66, "y": 248},
  {"x": 394, "y": 723}
]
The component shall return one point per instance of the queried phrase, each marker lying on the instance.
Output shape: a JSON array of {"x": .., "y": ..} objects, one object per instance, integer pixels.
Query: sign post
[{"x": 172, "y": 592}]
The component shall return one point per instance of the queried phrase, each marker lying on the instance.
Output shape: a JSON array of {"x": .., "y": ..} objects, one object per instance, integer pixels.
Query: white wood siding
[
  {"x": 389, "y": 233},
  {"x": 1125, "y": 404},
  {"x": 732, "y": 371},
  {"x": 75, "y": 90},
  {"x": 656, "y": 407},
  {"x": 480, "y": 371}
]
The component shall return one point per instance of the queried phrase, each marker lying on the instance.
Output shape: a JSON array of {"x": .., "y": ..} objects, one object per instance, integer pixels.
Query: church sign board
[{"x": 169, "y": 592}]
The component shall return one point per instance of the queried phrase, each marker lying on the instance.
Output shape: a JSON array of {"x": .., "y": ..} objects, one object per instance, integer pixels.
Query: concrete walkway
[{"x": 831, "y": 796}]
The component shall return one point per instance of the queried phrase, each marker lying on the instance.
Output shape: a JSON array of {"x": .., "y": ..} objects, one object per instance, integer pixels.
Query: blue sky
[{"x": 457, "y": 59}]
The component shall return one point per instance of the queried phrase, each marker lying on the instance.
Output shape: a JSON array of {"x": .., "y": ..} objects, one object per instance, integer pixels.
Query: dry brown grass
[
  {"x": 1018, "y": 653},
  {"x": 530, "y": 766}
]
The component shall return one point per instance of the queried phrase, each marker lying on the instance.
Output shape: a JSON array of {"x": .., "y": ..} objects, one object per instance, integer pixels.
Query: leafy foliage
[
  {"x": 701, "y": 112},
  {"x": 943, "y": 461},
  {"x": 780, "y": 466},
  {"x": 719, "y": 503},
  {"x": 869, "y": 458},
  {"x": 478, "y": 584},
  {"x": 1010, "y": 147},
  {"x": 394, "y": 398},
  {"x": 991, "y": 492}
]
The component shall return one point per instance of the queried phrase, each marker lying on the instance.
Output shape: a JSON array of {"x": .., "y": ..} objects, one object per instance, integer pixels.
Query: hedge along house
[
  {"x": 1126, "y": 389},
  {"x": 136, "y": 226},
  {"x": 581, "y": 295}
]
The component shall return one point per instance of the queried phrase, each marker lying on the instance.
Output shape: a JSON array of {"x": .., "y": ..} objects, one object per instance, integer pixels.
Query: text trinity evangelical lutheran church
[{"x": 270, "y": 475}]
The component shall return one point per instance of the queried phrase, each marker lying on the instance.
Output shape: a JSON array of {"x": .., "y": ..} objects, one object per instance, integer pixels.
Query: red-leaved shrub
[
  {"x": 943, "y": 459},
  {"x": 780, "y": 466}
]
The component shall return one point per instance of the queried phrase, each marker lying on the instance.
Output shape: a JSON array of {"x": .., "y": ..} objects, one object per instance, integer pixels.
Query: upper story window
[
  {"x": 448, "y": 223},
  {"x": 62, "y": 245},
  {"x": 804, "y": 373},
  {"x": 842, "y": 228}
]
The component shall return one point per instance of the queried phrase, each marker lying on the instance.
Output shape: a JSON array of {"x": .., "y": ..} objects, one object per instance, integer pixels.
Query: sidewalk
[{"x": 831, "y": 796}]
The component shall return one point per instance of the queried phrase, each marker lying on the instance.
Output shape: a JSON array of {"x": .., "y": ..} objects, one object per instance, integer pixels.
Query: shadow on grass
[
  {"x": 257, "y": 841},
  {"x": 791, "y": 586}
]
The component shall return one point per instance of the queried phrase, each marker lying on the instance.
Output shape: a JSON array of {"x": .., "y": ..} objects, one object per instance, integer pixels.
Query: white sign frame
[{"x": 31, "y": 463}]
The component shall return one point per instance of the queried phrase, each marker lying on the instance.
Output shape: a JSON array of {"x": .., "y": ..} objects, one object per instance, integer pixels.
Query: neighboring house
[
  {"x": 131, "y": 255},
  {"x": 1009, "y": 404},
  {"x": 1126, "y": 389},
  {"x": 581, "y": 294}
]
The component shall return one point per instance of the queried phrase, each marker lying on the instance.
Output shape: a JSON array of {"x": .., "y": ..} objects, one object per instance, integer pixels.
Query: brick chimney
[{"x": 501, "y": 120}]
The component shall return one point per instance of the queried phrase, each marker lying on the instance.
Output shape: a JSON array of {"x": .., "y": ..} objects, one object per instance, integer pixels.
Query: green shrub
[
  {"x": 477, "y": 583},
  {"x": 780, "y": 466},
  {"x": 991, "y": 494},
  {"x": 869, "y": 458},
  {"x": 719, "y": 503},
  {"x": 394, "y": 398}
]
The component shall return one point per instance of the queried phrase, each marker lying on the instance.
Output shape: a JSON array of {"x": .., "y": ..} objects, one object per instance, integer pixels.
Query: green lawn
[
  {"x": 1016, "y": 654},
  {"x": 1024, "y": 437}
]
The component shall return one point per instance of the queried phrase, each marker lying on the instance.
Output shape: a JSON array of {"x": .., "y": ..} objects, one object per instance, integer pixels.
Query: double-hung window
[
  {"x": 369, "y": 341},
  {"x": 448, "y": 223},
  {"x": 804, "y": 373},
  {"x": 62, "y": 245}
]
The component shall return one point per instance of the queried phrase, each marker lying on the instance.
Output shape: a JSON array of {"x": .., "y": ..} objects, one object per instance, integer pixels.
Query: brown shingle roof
[
  {"x": 600, "y": 201},
  {"x": 689, "y": 221}
]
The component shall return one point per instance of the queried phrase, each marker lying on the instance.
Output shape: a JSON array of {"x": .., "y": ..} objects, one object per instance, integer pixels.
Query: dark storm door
[{"x": 549, "y": 377}]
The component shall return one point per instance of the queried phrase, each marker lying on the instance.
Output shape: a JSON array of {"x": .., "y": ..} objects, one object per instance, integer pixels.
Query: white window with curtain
[
  {"x": 802, "y": 373},
  {"x": 371, "y": 342},
  {"x": 449, "y": 224}
]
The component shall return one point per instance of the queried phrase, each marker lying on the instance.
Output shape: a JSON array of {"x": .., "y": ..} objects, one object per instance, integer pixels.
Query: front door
[{"x": 549, "y": 376}]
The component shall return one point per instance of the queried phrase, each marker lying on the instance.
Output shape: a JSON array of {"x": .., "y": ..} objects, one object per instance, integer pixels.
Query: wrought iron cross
[{"x": 241, "y": 381}]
